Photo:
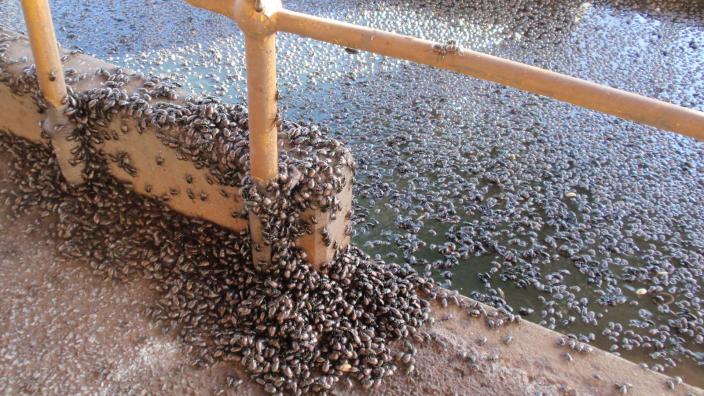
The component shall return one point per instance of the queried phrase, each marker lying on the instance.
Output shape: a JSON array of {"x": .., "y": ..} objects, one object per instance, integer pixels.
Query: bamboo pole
[
  {"x": 261, "y": 19},
  {"x": 255, "y": 19},
  {"x": 50, "y": 76},
  {"x": 573, "y": 90},
  {"x": 263, "y": 131},
  {"x": 40, "y": 28},
  {"x": 261, "y": 97}
]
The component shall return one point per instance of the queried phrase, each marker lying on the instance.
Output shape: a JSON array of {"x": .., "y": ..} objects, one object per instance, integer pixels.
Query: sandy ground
[{"x": 64, "y": 331}]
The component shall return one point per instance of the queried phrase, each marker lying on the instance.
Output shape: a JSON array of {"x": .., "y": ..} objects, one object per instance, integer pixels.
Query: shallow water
[{"x": 444, "y": 158}]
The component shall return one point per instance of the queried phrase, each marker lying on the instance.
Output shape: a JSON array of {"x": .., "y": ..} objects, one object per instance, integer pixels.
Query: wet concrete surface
[{"x": 468, "y": 177}]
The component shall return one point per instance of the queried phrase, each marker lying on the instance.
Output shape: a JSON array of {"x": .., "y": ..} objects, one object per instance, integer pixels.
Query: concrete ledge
[{"x": 157, "y": 170}]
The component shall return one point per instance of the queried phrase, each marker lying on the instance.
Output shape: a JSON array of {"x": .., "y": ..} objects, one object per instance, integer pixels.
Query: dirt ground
[{"x": 64, "y": 331}]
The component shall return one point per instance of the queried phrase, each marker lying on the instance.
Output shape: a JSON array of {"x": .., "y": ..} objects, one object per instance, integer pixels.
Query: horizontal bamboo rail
[{"x": 573, "y": 90}]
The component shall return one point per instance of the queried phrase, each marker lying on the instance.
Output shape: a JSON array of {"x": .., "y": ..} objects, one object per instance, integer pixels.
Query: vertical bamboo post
[
  {"x": 261, "y": 96},
  {"x": 256, "y": 20},
  {"x": 42, "y": 38},
  {"x": 260, "y": 51},
  {"x": 50, "y": 75}
]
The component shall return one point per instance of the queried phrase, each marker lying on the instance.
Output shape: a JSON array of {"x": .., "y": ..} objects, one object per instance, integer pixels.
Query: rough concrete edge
[{"x": 535, "y": 349}]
